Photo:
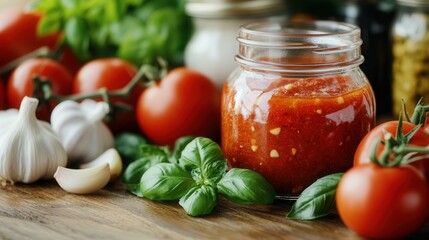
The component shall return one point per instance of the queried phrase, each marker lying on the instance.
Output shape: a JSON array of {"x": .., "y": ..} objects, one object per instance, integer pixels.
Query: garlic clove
[
  {"x": 110, "y": 156},
  {"x": 83, "y": 181}
]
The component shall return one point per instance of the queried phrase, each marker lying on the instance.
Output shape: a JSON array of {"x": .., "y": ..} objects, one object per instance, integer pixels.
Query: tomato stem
[
  {"x": 403, "y": 149},
  {"x": 389, "y": 143},
  {"x": 40, "y": 52},
  {"x": 397, "y": 151},
  {"x": 146, "y": 75},
  {"x": 419, "y": 115}
]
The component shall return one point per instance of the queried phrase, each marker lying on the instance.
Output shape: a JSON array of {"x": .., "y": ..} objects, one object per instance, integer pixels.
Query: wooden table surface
[{"x": 45, "y": 211}]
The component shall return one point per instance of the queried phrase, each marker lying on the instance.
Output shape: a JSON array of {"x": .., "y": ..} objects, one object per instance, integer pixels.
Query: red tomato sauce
[{"x": 295, "y": 130}]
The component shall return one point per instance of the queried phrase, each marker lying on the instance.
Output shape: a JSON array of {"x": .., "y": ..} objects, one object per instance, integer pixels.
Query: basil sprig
[
  {"x": 246, "y": 187},
  {"x": 166, "y": 181},
  {"x": 128, "y": 146},
  {"x": 139, "y": 31},
  {"x": 194, "y": 173},
  {"x": 150, "y": 155},
  {"x": 199, "y": 200},
  {"x": 317, "y": 200}
]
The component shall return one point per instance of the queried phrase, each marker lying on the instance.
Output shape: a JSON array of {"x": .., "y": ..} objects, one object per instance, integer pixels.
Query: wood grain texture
[{"x": 44, "y": 211}]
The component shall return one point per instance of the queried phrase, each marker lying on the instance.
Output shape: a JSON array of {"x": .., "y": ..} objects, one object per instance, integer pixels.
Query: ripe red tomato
[
  {"x": 21, "y": 83},
  {"x": 384, "y": 203},
  {"x": 70, "y": 61},
  {"x": 2, "y": 97},
  {"x": 18, "y": 34},
  {"x": 184, "y": 102},
  {"x": 110, "y": 73},
  {"x": 365, "y": 146},
  {"x": 426, "y": 125}
]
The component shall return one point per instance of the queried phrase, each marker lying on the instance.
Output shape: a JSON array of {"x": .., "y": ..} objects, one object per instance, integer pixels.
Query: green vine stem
[
  {"x": 419, "y": 115},
  {"x": 396, "y": 153},
  {"x": 40, "y": 52},
  {"x": 146, "y": 75}
]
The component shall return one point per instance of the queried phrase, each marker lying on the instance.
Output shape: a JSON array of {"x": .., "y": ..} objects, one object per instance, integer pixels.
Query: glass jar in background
[
  {"x": 298, "y": 105},
  {"x": 212, "y": 47},
  {"x": 411, "y": 53},
  {"x": 375, "y": 18}
]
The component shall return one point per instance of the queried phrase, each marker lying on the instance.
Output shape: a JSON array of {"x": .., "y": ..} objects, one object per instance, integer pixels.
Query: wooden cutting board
[{"x": 45, "y": 211}]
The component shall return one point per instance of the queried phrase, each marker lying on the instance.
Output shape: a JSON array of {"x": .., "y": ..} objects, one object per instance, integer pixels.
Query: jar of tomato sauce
[{"x": 298, "y": 105}]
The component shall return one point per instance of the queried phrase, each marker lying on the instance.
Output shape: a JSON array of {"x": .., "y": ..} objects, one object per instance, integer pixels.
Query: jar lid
[
  {"x": 233, "y": 8},
  {"x": 414, "y": 3}
]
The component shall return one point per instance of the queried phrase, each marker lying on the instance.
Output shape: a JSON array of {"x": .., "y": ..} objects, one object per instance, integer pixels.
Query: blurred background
[{"x": 385, "y": 24}]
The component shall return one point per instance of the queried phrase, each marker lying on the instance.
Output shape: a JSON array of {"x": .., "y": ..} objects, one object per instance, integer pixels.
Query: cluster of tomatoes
[
  {"x": 386, "y": 201},
  {"x": 184, "y": 102}
]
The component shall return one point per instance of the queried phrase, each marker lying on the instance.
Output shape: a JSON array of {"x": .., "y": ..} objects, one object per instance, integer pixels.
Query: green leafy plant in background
[
  {"x": 139, "y": 31},
  {"x": 194, "y": 173}
]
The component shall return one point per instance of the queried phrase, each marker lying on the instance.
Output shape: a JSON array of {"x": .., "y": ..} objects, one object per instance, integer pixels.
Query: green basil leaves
[
  {"x": 195, "y": 174},
  {"x": 205, "y": 160},
  {"x": 76, "y": 33},
  {"x": 128, "y": 146},
  {"x": 139, "y": 31},
  {"x": 199, "y": 200},
  {"x": 246, "y": 187},
  {"x": 317, "y": 200},
  {"x": 166, "y": 181}
]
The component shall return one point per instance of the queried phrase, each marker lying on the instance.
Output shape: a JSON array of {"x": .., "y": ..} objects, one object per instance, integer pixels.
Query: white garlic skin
[
  {"x": 29, "y": 148},
  {"x": 81, "y": 129}
]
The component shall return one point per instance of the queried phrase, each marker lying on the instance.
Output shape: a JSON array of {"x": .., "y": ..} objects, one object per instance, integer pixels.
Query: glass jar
[
  {"x": 212, "y": 47},
  {"x": 298, "y": 105},
  {"x": 410, "y": 53}
]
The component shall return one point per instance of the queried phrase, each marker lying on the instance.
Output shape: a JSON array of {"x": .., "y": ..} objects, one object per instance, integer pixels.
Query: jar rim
[
  {"x": 305, "y": 46},
  {"x": 324, "y": 28}
]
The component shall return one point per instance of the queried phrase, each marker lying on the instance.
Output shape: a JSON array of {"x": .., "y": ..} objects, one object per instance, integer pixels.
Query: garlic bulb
[
  {"x": 8, "y": 115},
  {"x": 81, "y": 130},
  {"x": 29, "y": 148}
]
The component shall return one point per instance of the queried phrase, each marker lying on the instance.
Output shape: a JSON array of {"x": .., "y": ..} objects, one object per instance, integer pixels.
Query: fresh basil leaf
[
  {"x": 165, "y": 34},
  {"x": 149, "y": 7},
  {"x": 204, "y": 157},
  {"x": 245, "y": 186},
  {"x": 132, "y": 175},
  {"x": 135, "y": 170},
  {"x": 179, "y": 145},
  {"x": 44, "y": 5},
  {"x": 200, "y": 200},
  {"x": 157, "y": 28},
  {"x": 123, "y": 29},
  {"x": 77, "y": 37},
  {"x": 138, "y": 47},
  {"x": 166, "y": 181},
  {"x": 51, "y": 22},
  {"x": 112, "y": 9},
  {"x": 152, "y": 150},
  {"x": 317, "y": 200},
  {"x": 128, "y": 145}
]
